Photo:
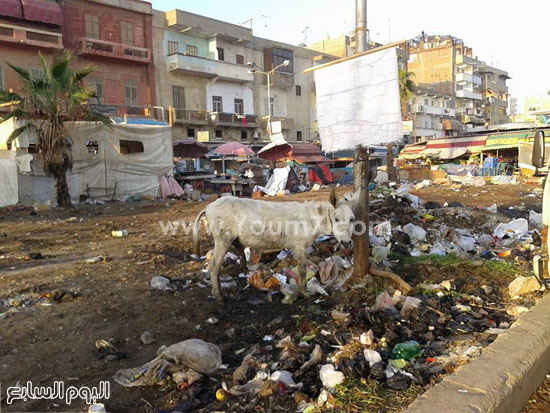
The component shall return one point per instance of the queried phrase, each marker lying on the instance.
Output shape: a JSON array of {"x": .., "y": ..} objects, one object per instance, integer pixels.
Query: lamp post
[{"x": 255, "y": 69}]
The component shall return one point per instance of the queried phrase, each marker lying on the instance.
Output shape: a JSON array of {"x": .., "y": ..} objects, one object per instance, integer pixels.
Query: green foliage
[
  {"x": 44, "y": 105},
  {"x": 406, "y": 90}
]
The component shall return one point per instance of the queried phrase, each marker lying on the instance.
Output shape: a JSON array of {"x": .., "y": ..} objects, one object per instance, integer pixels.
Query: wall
[
  {"x": 433, "y": 66},
  {"x": 194, "y": 86},
  {"x": 230, "y": 91},
  {"x": 183, "y": 40},
  {"x": 113, "y": 71}
]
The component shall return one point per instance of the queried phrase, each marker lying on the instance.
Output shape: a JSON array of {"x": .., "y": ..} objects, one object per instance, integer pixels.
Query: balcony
[
  {"x": 432, "y": 110},
  {"x": 195, "y": 117},
  {"x": 233, "y": 119},
  {"x": 286, "y": 123},
  {"x": 94, "y": 47},
  {"x": 280, "y": 80},
  {"x": 199, "y": 66},
  {"x": 468, "y": 95},
  {"x": 30, "y": 37},
  {"x": 464, "y": 78}
]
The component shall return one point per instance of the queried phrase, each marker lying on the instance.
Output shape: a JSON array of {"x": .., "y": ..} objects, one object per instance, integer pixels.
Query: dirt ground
[{"x": 91, "y": 301}]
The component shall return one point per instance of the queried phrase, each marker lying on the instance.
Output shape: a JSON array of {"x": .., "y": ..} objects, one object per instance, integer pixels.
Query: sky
[{"x": 508, "y": 34}]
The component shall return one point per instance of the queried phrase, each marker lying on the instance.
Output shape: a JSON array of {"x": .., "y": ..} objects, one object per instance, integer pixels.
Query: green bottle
[{"x": 406, "y": 351}]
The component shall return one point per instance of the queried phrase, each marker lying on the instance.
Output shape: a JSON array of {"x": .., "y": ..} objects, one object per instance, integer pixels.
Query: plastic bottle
[{"x": 406, "y": 351}]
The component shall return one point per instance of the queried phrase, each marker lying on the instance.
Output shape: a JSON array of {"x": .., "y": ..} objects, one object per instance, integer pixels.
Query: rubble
[{"x": 523, "y": 285}]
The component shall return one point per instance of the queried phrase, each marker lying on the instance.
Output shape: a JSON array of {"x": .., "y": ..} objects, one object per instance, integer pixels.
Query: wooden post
[
  {"x": 170, "y": 116},
  {"x": 361, "y": 250},
  {"x": 390, "y": 167}
]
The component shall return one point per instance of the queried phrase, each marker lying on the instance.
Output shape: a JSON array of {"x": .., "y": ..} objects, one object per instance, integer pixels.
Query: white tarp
[
  {"x": 358, "y": 102},
  {"x": 8, "y": 182},
  {"x": 103, "y": 166},
  {"x": 277, "y": 182}
]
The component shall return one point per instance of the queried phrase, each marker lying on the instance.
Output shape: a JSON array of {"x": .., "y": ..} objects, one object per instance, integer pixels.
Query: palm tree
[
  {"x": 45, "y": 104},
  {"x": 406, "y": 89}
]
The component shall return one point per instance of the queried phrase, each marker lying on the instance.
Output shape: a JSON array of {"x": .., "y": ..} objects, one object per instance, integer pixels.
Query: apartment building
[
  {"x": 203, "y": 77},
  {"x": 116, "y": 36},
  {"x": 433, "y": 114},
  {"x": 113, "y": 35},
  {"x": 447, "y": 64},
  {"x": 26, "y": 28}
]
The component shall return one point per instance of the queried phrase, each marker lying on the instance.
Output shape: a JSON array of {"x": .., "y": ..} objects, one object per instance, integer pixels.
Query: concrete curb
[{"x": 503, "y": 377}]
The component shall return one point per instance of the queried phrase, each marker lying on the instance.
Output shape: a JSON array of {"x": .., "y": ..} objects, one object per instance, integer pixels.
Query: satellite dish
[{"x": 538, "y": 150}]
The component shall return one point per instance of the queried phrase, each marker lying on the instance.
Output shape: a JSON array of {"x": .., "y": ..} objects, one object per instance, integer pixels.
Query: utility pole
[{"x": 361, "y": 250}]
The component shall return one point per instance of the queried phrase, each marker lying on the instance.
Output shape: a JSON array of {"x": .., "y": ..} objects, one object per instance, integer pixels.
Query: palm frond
[
  {"x": 9, "y": 97},
  {"x": 18, "y": 131},
  {"x": 17, "y": 113},
  {"x": 78, "y": 76}
]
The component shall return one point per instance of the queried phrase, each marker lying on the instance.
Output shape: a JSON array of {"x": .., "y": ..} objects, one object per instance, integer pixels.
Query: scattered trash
[
  {"x": 160, "y": 283},
  {"x": 407, "y": 351},
  {"x": 196, "y": 354},
  {"x": 147, "y": 338},
  {"x": 120, "y": 233},
  {"x": 523, "y": 285},
  {"x": 330, "y": 377},
  {"x": 535, "y": 219}
]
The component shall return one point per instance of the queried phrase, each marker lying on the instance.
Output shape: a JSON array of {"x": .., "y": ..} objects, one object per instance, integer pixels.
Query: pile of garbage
[
  {"x": 26, "y": 300},
  {"x": 349, "y": 331}
]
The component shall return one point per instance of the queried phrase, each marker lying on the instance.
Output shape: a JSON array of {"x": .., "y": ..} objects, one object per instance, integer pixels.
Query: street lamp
[{"x": 254, "y": 69}]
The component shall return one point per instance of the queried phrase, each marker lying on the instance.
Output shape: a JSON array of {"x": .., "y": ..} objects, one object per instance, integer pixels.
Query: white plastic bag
[
  {"x": 415, "y": 233},
  {"x": 380, "y": 254},
  {"x": 330, "y": 377},
  {"x": 535, "y": 220},
  {"x": 517, "y": 226},
  {"x": 383, "y": 230}
]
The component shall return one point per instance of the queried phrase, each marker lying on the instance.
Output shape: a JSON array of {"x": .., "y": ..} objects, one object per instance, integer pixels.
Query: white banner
[{"x": 358, "y": 102}]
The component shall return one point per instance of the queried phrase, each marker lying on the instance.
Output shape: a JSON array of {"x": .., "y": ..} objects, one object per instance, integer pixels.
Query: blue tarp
[{"x": 139, "y": 121}]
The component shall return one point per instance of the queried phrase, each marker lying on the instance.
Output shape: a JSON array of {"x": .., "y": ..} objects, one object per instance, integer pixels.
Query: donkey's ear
[{"x": 332, "y": 197}]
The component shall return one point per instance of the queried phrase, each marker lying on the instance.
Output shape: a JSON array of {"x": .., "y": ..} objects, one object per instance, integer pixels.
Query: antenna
[
  {"x": 251, "y": 21},
  {"x": 304, "y": 32}
]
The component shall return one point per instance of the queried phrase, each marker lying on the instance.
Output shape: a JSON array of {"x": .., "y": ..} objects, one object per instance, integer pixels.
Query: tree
[
  {"x": 43, "y": 107},
  {"x": 406, "y": 89}
]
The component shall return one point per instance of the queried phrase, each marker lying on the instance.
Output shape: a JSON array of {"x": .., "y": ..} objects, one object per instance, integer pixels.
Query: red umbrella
[
  {"x": 189, "y": 149},
  {"x": 233, "y": 148},
  {"x": 275, "y": 150}
]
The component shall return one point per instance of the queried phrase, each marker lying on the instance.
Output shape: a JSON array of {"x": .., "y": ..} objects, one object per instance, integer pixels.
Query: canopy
[
  {"x": 11, "y": 8},
  {"x": 454, "y": 147},
  {"x": 233, "y": 148},
  {"x": 413, "y": 151},
  {"x": 506, "y": 140},
  {"x": 275, "y": 150},
  {"x": 189, "y": 149},
  {"x": 313, "y": 159},
  {"x": 43, "y": 11},
  {"x": 452, "y": 124}
]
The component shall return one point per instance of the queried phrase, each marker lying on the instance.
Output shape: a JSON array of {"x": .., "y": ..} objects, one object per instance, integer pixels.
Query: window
[
  {"x": 298, "y": 90},
  {"x": 172, "y": 47},
  {"x": 299, "y": 135},
  {"x": 219, "y": 133},
  {"x": 36, "y": 73},
  {"x": 127, "y": 33},
  {"x": 221, "y": 55},
  {"x": 191, "y": 50},
  {"x": 97, "y": 85},
  {"x": 244, "y": 135},
  {"x": 130, "y": 93},
  {"x": 178, "y": 94},
  {"x": 92, "y": 26},
  {"x": 2, "y": 85},
  {"x": 239, "y": 106},
  {"x": 272, "y": 106},
  {"x": 240, "y": 59},
  {"x": 191, "y": 133},
  {"x": 427, "y": 102},
  {"x": 128, "y": 147},
  {"x": 92, "y": 147},
  {"x": 217, "y": 105},
  {"x": 279, "y": 56}
]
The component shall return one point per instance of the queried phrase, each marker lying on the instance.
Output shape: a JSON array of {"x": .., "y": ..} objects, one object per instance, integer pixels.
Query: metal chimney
[{"x": 361, "y": 44}]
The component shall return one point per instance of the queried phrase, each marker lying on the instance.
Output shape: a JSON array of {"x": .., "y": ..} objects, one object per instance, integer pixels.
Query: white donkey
[{"x": 267, "y": 225}]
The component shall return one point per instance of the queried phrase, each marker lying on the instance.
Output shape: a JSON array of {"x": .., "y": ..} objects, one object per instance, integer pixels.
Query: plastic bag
[
  {"x": 438, "y": 249},
  {"x": 194, "y": 353},
  {"x": 517, "y": 226},
  {"x": 535, "y": 219},
  {"x": 330, "y": 377},
  {"x": 383, "y": 230},
  {"x": 415, "y": 233},
  {"x": 380, "y": 254},
  {"x": 492, "y": 209}
]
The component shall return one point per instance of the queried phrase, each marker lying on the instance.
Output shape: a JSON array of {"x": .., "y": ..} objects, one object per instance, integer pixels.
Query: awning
[
  {"x": 11, "y": 8},
  {"x": 44, "y": 11},
  {"x": 454, "y": 147},
  {"x": 474, "y": 119},
  {"x": 305, "y": 149},
  {"x": 452, "y": 124},
  {"x": 506, "y": 140},
  {"x": 313, "y": 159},
  {"x": 413, "y": 151}
]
